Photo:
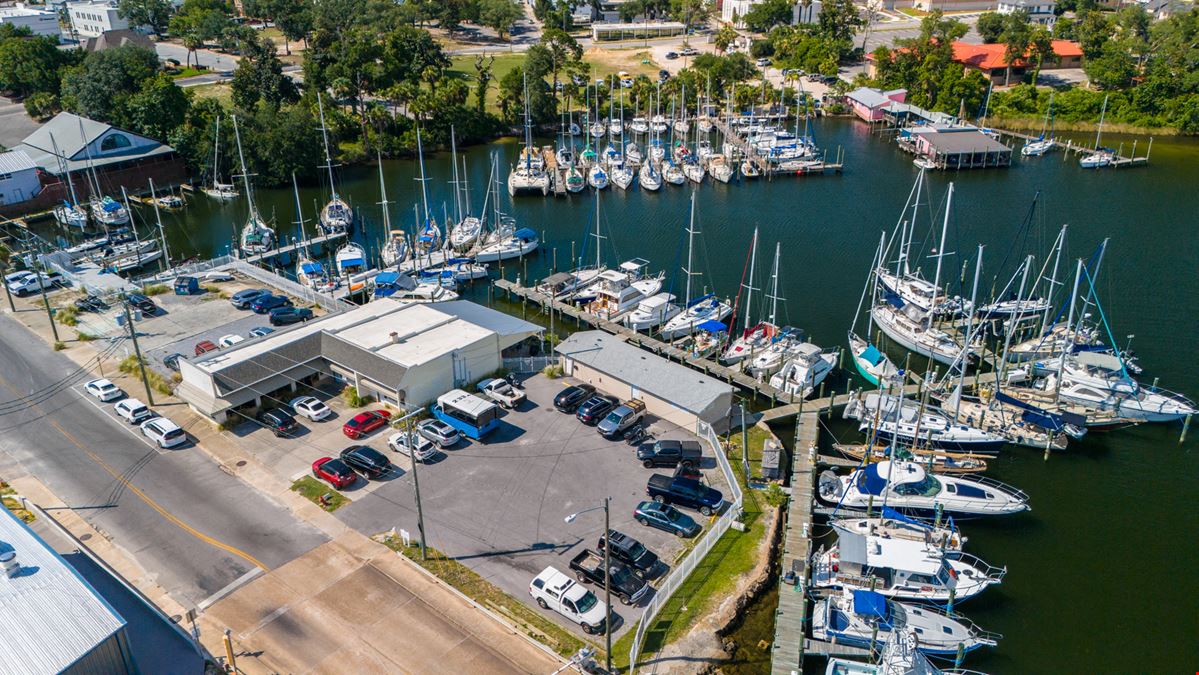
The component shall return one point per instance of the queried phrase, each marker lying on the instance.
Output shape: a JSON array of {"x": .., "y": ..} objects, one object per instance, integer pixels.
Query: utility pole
[
  {"x": 420, "y": 515},
  {"x": 607, "y": 589},
  {"x": 43, "y": 279},
  {"x": 138, "y": 352}
]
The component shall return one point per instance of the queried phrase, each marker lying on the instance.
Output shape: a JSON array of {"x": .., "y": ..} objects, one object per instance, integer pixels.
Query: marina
[{"x": 821, "y": 292}]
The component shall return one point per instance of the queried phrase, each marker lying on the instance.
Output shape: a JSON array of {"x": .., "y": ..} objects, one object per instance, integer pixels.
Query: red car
[
  {"x": 205, "y": 346},
  {"x": 334, "y": 472},
  {"x": 364, "y": 423}
]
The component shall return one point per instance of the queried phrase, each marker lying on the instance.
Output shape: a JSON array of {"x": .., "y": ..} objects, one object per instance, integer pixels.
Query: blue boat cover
[
  {"x": 350, "y": 262},
  {"x": 525, "y": 233},
  {"x": 872, "y": 355},
  {"x": 1089, "y": 348},
  {"x": 891, "y": 514},
  {"x": 700, "y": 299},
  {"x": 871, "y": 482},
  {"x": 893, "y": 300},
  {"x": 312, "y": 268},
  {"x": 109, "y": 205},
  {"x": 384, "y": 278},
  {"x": 869, "y": 603},
  {"x": 713, "y": 326}
]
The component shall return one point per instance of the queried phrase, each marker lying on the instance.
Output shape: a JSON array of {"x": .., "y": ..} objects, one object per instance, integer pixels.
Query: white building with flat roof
[
  {"x": 38, "y": 20},
  {"x": 18, "y": 178},
  {"x": 1039, "y": 11},
  {"x": 92, "y": 19},
  {"x": 400, "y": 353}
]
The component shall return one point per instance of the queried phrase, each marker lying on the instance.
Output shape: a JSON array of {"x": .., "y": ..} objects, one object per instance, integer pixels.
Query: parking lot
[{"x": 499, "y": 506}]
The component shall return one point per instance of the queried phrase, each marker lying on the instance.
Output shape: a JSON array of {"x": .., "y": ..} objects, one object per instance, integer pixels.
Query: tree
[
  {"x": 562, "y": 50},
  {"x": 1040, "y": 50},
  {"x": 767, "y": 14},
  {"x": 837, "y": 22},
  {"x": 990, "y": 26},
  {"x": 483, "y": 66},
  {"x": 31, "y": 64},
  {"x": 500, "y": 15},
  {"x": 919, "y": 63},
  {"x": 1112, "y": 69},
  {"x": 690, "y": 12},
  {"x": 407, "y": 52},
  {"x": 1094, "y": 30},
  {"x": 293, "y": 18},
  {"x": 724, "y": 38},
  {"x": 100, "y": 86},
  {"x": 198, "y": 22},
  {"x": 1017, "y": 33},
  {"x": 153, "y": 13},
  {"x": 259, "y": 77},
  {"x": 158, "y": 108}
]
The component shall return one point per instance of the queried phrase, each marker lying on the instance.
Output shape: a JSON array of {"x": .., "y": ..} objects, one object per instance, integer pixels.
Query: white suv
[
  {"x": 230, "y": 340},
  {"x": 103, "y": 389},
  {"x": 164, "y": 432},
  {"x": 133, "y": 410}
]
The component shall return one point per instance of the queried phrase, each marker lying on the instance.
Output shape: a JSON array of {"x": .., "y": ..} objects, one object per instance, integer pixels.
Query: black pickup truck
[
  {"x": 631, "y": 552},
  {"x": 589, "y": 568},
  {"x": 670, "y": 453},
  {"x": 684, "y": 492}
]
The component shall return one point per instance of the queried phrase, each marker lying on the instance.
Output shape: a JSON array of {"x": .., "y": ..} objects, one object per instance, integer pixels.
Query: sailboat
[
  {"x": 649, "y": 178},
  {"x": 506, "y": 241},
  {"x": 1041, "y": 145},
  {"x": 597, "y": 177},
  {"x": 220, "y": 191},
  {"x": 336, "y": 216},
  {"x": 871, "y": 363},
  {"x": 71, "y": 213},
  {"x": 1100, "y": 156},
  {"x": 756, "y": 336},
  {"x": 106, "y": 210},
  {"x": 428, "y": 237},
  {"x": 619, "y": 173},
  {"x": 309, "y": 272},
  {"x": 672, "y": 173},
  {"x": 529, "y": 175},
  {"x": 466, "y": 232},
  {"x": 395, "y": 250},
  {"x": 868, "y": 619},
  {"x": 256, "y": 236},
  {"x": 698, "y": 310}
]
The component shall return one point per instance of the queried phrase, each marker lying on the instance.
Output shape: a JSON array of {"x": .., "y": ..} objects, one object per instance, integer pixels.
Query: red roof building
[{"x": 988, "y": 59}]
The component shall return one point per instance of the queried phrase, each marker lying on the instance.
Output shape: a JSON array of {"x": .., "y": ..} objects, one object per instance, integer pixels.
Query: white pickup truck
[
  {"x": 502, "y": 392},
  {"x": 32, "y": 283},
  {"x": 552, "y": 589}
]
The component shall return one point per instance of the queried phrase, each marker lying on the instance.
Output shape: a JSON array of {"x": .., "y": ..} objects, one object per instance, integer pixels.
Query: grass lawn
[
  {"x": 463, "y": 578},
  {"x": 186, "y": 72},
  {"x": 716, "y": 576},
  {"x": 221, "y": 92},
  {"x": 313, "y": 490},
  {"x": 463, "y": 66},
  {"x": 912, "y": 11}
]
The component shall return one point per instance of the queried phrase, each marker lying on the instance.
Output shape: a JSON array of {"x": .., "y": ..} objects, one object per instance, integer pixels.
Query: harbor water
[{"x": 1100, "y": 572}]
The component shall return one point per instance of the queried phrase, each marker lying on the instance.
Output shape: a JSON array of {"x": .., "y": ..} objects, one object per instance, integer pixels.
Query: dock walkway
[
  {"x": 1120, "y": 162},
  {"x": 764, "y": 165},
  {"x": 292, "y": 247}
]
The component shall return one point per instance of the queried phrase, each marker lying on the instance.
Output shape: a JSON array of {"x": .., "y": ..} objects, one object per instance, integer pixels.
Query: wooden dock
[
  {"x": 292, "y": 247},
  {"x": 709, "y": 367},
  {"x": 1121, "y": 161},
  {"x": 791, "y": 618},
  {"x": 765, "y": 167}
]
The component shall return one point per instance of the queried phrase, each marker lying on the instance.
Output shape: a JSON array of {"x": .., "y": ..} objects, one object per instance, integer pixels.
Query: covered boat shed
[
  {"x": 671, "y": 392},
  {"x": 957, "y": 147}
]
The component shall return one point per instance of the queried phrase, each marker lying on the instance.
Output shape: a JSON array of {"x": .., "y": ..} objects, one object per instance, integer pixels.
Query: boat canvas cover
[
  {"x": 525, "y": 233},
  {"x": 869, "y": 603},
  {"x": 1041, "y": 417},
  {"x": 350, "y": 262},
  {"x": 872, "y": 356},
  {"x": 386, "y": 278},
  {"x": 701, "y": 299},
  {"x": 891, "y": 514},
  {"x": 871, "y": 482},
  {"x": 312, "y": 268},
  {"x": 712, "y": 326}
]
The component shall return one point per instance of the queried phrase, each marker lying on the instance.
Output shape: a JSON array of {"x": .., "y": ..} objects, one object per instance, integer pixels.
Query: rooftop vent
[{"x": 9, "y": 564}]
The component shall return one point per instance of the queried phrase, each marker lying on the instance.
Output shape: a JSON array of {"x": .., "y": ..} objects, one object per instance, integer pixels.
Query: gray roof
[
  {"x": 688, "y": 389},
  {"x": 15, "y": 161},
  {"x": 76, "y": 136},
  {"x": 49, "y": 616},
  {"x": 956, "y": 141}
]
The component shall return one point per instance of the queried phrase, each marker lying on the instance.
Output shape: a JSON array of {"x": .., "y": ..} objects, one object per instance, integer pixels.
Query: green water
[{"x": 1101, "y": 572}]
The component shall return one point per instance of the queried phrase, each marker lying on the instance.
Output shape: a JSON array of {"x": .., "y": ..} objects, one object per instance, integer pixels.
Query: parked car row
[
  {"x": 164, "y": 432},
  {"x": 278, "y": 307}
]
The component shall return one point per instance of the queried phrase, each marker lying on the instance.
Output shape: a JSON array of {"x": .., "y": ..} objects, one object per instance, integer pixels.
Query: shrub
[
  {"x": 84, "y": 337},
  {"x": 59, "y": 346},
  {"x": 775, "y": 495},
  {"x": 155, "y": 289},
  {"x": 355, "y": 399},
  {"x": 553, "y": 371},
  {"x": 67, "y": 316},
  {"x": 128, "y": 365},
  {"x": 42, "y": 106}
]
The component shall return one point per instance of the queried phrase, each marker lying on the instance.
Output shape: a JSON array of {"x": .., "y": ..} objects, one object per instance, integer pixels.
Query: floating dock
[
  {"x": 1120, "y": 162},
  {"x": 292, "y": 247}
]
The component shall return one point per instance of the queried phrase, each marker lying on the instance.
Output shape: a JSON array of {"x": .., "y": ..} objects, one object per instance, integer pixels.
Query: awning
[
  {"x": 351, "y": 262},
  {"x": 700, "y": 300},
  {"x": 872, "y": 355},
  {"x": 312, "y": 268},
  {"x": 385, "y": 278}
]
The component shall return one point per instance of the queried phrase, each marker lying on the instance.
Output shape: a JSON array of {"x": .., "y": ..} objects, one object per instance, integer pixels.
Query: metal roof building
[
  {"x": 51, "y": 619},
  {"x": 401, "y": 352},
  {"x": 670, "y": 391},
  {"x": 75, "y": 139}
]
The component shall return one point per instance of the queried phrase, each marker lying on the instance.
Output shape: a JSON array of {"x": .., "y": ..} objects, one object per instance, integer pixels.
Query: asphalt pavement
[{"x": 185, "y": 520}]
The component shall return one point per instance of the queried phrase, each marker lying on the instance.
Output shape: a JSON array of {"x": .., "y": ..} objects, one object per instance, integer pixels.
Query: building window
[{"x": 114, "y": 142}]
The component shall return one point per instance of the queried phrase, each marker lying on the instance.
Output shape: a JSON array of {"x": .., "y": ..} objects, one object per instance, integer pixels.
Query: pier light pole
[{"x": 607, "y": 579}]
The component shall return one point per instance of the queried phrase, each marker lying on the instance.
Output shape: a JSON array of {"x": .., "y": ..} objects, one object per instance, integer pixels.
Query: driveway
[
  {"x": 210, "y": 59},
  {"x": 15, "y": 125}
]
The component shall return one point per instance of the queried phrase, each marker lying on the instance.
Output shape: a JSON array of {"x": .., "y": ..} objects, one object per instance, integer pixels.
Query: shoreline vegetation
[{"x": 1034, "y": 124}]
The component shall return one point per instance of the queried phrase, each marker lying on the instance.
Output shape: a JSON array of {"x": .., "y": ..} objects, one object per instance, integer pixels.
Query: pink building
[{"x": 869, "y": 104}]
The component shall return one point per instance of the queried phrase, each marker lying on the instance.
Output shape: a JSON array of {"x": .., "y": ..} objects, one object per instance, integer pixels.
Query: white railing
[
  {"x": 529, "y": 364},
  {"x": 230, "y": 264},
  {"x": 693, "y": 558}
]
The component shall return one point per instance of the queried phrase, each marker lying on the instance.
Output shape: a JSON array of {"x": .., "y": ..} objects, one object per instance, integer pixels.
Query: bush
[
  {"x": 42, "y": 106},
  {"x": 84, "y": 337},
  {"x": 128, "y": 365},
  {"x": 156, "y": 289},
  {"x": 67, "y": 316},
  {"x": 761, "y": 49},
  {"x": 552, "y": 371},
  {"x": 775, "y": 495},
  {"x": 354, "y": 399},
  {"x": 59, "y": 346}
]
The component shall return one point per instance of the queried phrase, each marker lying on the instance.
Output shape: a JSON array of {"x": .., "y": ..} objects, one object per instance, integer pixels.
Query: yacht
[
  {"x": 1099, "y": 381},
  {"x": 901, "y": 568},
  {"x": 911, "y": 423},
  {"x": 350, "y": 259},
  {"x": 336, "y": 215},
  {"x": 894, "y": 525},
  {"x": 867, "y": 619},
  {"x": 651, "y": 312},
  {"x": 619, "y": 291},
  {"x": 564, "y": 285},
  {"x": 803, "y": 372},
  {"x": 900, "y": 656},
  {"x": 908, "y": 488}
]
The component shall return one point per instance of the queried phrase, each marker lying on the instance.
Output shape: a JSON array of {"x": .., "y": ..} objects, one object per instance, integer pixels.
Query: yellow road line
[{"x": 141, "y": 495}]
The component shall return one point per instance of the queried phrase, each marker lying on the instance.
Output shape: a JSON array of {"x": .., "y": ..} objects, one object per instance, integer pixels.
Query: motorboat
[
  {"x": 706, "y": 340},
  {"x": 518, "y": 244},
  {"x": 803, "y": 372},
  {"x": 900, "y": 656},
  {"x": 651, "y": 312},
  {"x": 109, "y": 212},
  {"x": 350, "y": 259},
  {"x": 618, "y": 291},
  {"x": 1099, "y": 381},
  {"x": 872, "y": 364},
  {"x": 749, "y": 169},
  {"x": 903, "y": 569},
  {"x": 867, "y": 619},
  {"x": 649, "y": 178},
  {"x": 395, "y": 250},
  {"x": 564, "y": 285},
  {"x": 910, "y": 489},
  {"x": 924, "y": 163},
  {"x": 705, "y": 308},
  {"x": 894, "y": 418}
]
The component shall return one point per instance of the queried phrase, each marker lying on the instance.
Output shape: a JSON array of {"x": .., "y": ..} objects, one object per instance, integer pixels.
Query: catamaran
[
  {"x": 698, "y": 310},
  {"x": 336, "y": 216},
  {"x": 218, "y": 190},
  {"x": 256, "y": 235}
]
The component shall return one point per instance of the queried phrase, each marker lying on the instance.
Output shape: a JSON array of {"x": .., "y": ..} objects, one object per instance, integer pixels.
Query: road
[
  {"x": 194, "y": 527},
  {"x": 203, "y": 57}
]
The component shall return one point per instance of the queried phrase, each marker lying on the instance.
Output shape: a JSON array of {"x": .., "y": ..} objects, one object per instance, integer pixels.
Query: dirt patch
[{"x": 610, "y": 61}]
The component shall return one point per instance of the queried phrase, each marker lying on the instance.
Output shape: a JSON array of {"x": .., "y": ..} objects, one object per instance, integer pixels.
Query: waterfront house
[
  {"x": 870, "y": 104},
  {"x": 18, "y": 178}
]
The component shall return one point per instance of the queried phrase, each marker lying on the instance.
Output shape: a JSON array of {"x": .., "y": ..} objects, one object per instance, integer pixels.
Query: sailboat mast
[
  {"x": 598, "y": 237},
  {"x": 774, "y": 291},
  {"x": 690, "y": 245},
  {"x": 749, "y": 283},
  {"x": 1057, "y": 387},
  {"x": 457, "y": 187},
  {"x": 166, "y": 252},
  {"x": 465, "y": 189},
  {"x": 295, "y": 188},
  {"x": 1057, "y": 257},
  {"x": 941, "y": 250},
  {"x": 1102, "y": 114},
  {"x": 216, "y": 154},
  {"x": 978, "y": 266},
  {"x": 325, "y": 136},
  {"x": 1015, "y": 320},
  {"x": 424, "y": 192},
  {"x": 245, "y": 175},
  {"x": 383, "y": 195},
  {"x": 65, "y": 169}
]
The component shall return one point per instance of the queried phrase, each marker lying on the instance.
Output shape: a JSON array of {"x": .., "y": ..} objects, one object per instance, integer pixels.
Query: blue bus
[{"x": 469, "y": 414}]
